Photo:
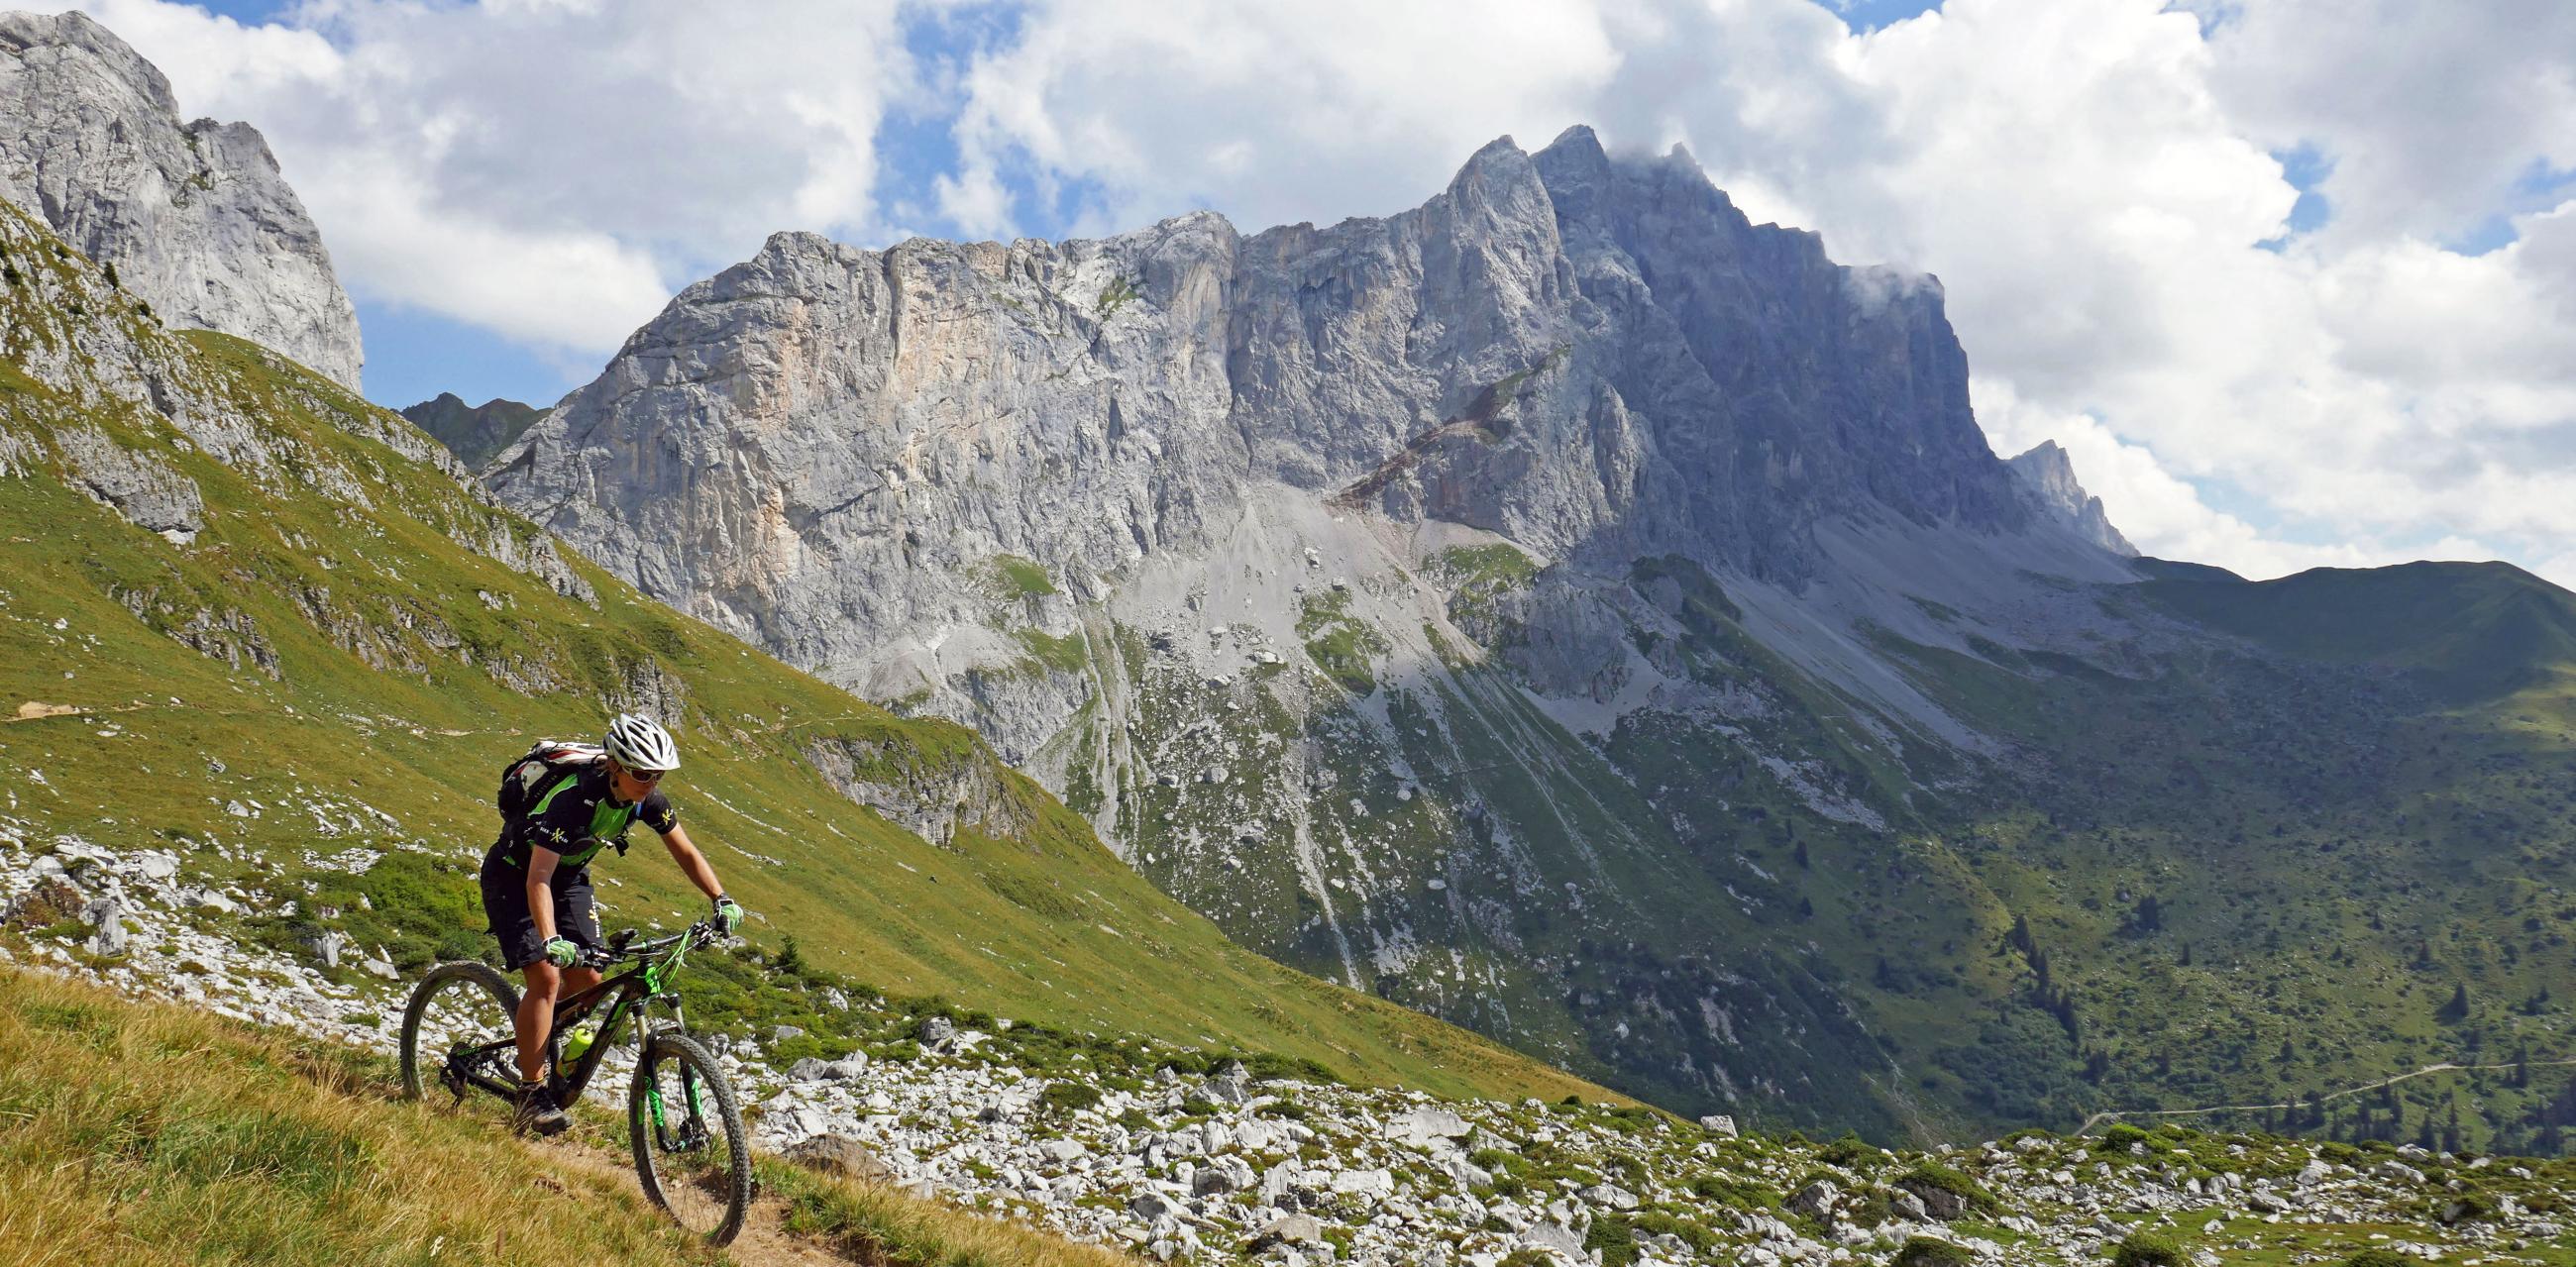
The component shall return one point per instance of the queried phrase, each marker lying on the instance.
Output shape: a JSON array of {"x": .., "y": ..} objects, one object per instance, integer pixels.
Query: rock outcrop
[
  {"x": 194, "y": 217},
  {"x": 2047, "y": 480},
  {"x": 1598, "y": 360}
]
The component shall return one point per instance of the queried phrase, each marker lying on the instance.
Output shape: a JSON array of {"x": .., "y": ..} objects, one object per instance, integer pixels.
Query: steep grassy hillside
[{"x": 249, "y": 618}]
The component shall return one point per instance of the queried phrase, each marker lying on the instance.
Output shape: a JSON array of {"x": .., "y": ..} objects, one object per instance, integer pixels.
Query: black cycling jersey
[{"x": 575, "y": 816}]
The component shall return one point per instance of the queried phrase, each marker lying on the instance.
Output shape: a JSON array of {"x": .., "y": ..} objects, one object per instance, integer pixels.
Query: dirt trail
[{"x": 763, "y": 1242}]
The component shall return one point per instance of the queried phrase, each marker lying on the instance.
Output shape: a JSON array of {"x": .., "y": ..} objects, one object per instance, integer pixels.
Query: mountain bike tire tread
[{"x": 639, "y": 1127}]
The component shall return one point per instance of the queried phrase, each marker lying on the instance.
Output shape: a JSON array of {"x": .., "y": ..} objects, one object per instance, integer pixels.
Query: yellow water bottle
[{"x": 578, "y": 1041}]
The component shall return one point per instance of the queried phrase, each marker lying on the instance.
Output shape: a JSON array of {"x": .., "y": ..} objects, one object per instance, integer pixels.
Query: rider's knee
[{"x": 543, "y": 979}]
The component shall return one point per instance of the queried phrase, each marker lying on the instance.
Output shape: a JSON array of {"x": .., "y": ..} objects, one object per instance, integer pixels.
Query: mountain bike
[{"x": 682, "y": 1117}]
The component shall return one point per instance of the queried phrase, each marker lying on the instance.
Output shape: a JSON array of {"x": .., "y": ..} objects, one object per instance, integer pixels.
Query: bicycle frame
[{"x": 638, "y": 988}]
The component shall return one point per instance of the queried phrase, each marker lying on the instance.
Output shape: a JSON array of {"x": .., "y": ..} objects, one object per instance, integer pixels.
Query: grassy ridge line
[
  {"x": 177, "y": 1137},
  {"x": 398, "y": 654}
]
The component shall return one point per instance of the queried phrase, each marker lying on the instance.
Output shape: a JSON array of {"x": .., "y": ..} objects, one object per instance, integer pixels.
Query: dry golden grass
[{"x": 147, "y": 1134}]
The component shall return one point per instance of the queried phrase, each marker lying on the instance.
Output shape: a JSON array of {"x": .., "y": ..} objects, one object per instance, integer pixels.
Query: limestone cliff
[{"x": 194, "y": 216}]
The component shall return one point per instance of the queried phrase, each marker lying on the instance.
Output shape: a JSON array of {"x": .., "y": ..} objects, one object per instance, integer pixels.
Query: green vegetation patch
[
  {"x": 1011, "y": 576},
  {"x": 2149, "y": 1249},
  {"x": 1341, "y": 645}
]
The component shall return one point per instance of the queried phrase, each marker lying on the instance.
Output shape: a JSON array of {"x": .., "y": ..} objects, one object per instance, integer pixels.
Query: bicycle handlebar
[{"x": 623, "y": 948}]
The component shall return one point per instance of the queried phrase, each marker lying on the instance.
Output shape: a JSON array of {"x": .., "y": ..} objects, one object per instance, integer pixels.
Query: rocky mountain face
[
  {"x": 472, "y": 432},
  {"x": 1366, "y": 585},
  {"x": 1574, "y": 611},
  {"x": 2047, "y": 480},
  {"x": 194, "y": 216}
]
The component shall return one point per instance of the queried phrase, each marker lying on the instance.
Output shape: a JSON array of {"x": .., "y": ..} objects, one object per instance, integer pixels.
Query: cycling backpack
[{"x": 529, "y": 775}]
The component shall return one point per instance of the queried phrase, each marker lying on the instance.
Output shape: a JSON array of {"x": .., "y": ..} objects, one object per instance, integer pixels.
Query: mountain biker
[{"x": 536, "y": 882}]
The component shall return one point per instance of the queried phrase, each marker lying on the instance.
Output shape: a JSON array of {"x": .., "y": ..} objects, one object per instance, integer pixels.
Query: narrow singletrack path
[{"x": 764, "y": 1242}]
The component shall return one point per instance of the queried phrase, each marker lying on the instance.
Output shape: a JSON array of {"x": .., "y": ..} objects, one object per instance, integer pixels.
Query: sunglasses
[{"x": 645, "y": 776}]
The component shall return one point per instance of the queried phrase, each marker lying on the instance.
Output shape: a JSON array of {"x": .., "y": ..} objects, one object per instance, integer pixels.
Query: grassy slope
[
  {"x": 1035, "y": 920},
  {"x": 2349, "y": 803},
  {"x": 2342, "y": 822},
  {"x": 182, "y": 1138},
  {"x": 179, "y": 1138}
]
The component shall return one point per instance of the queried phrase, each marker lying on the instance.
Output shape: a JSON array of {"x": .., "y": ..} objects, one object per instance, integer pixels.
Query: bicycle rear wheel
[
  {"x": 690, "y": 1147},
  {"x": 459, "y": 1008}
]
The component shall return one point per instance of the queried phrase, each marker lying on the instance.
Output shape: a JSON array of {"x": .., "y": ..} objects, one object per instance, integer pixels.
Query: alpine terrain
[
  {"x": 1566, "y": 609},
  {"x": 1574, "y": 611}
]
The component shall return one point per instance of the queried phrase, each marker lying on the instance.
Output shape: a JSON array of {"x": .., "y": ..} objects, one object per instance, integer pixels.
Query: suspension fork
[{"x": 688, "y": 1080}]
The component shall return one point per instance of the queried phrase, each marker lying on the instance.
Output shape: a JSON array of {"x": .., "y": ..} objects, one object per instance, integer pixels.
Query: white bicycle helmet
[{"x": 637, "y": 743}]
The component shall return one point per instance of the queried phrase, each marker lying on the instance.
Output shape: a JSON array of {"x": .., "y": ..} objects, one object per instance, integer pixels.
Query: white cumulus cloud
[{"x": 548, "y": 169}]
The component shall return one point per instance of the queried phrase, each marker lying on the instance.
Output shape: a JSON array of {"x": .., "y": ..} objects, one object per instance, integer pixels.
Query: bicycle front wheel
[
  {"x": 461, "y": 1021},
  {"x": 690, "y": 1147}
]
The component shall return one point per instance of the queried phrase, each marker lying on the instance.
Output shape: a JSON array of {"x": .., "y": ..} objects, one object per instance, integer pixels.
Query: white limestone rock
[{"x": 195, "y": 216}]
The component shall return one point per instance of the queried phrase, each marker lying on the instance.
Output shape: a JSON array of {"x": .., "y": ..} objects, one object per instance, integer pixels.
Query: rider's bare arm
[
  {"x": 692, "y": 863},
  {"x": 541, "y": 898}
]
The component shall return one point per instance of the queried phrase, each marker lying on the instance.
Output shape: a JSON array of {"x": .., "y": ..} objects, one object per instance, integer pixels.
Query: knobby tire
[{"x": 680, "y": 1199}]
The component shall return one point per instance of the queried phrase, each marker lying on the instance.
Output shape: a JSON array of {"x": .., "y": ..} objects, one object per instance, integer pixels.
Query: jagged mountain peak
[
  {"x": 2046, "y": 474},
  {"x": 194, "y": 216}
]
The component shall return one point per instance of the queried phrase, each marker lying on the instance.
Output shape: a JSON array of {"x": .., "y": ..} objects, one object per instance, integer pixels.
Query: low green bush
[
  {"x": 2119, "y": 1138},
  {"x": 2148, "y": 1249},
  {"x": 1925, "y": 1251}
]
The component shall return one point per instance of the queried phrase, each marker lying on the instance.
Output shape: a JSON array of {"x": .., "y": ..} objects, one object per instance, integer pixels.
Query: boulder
[
  {"x": 1555, "y": 1238},
  {"x": 1225, "y": 1174},
  {"x": 1287, "y": 1229},
  {"x": 1939, "y": 1202},
  {"x": 835, "y": 1154},
  {"x": 1375, "y": 1184},
  {"x": 1718, "y": 1124},
  {"x": 1816, "y": 1200},
  {"x": 1424, "y": 1126}
]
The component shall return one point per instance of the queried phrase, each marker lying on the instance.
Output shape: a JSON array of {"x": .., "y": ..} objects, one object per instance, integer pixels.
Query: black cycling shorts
[{"x": 505, "y": 903}]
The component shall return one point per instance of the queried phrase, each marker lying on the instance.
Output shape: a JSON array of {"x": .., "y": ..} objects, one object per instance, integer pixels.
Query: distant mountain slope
[
  {"x": 251, "y": 619},
  {"x": 2468, "y": 632},
  {"x": 194, "y": 216},
  {"x": 472, "y": 432}
]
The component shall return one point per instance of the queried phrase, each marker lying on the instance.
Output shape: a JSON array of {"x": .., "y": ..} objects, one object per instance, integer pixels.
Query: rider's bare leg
[{"x": 546, "y": 983}]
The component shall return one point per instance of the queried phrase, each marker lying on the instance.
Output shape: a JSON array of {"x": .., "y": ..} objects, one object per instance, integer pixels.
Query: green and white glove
[
  {"x": 728, "y": 914},
  {"x": 561, "y": 953}
]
